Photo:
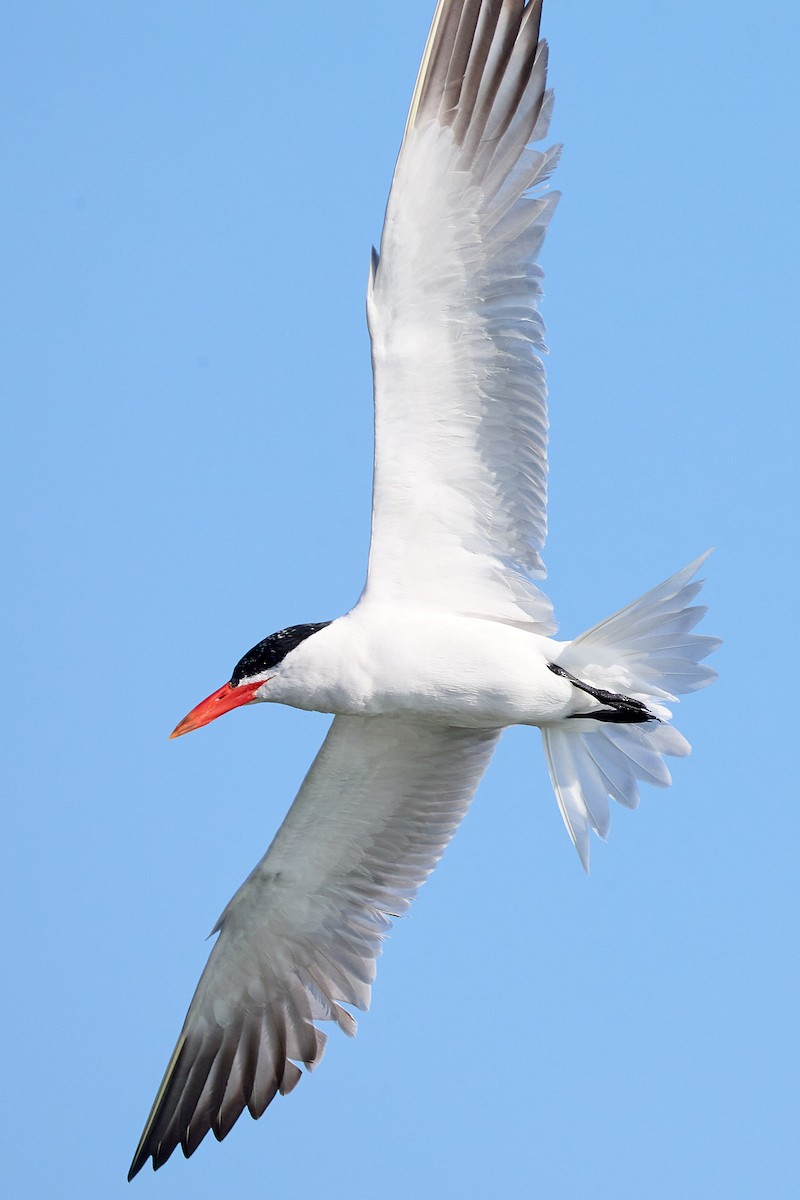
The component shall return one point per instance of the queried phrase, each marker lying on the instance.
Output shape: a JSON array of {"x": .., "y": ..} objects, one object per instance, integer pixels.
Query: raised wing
[
  {"x": 459, "y": 501},
  {"x": 300, "y": 937}
]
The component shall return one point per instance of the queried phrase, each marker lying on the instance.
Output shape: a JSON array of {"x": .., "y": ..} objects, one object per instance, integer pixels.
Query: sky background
[{"x": 189, "y": 195}]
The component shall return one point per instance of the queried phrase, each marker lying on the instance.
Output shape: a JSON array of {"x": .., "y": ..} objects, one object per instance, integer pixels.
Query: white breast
[{"x": 465, "y": 671}]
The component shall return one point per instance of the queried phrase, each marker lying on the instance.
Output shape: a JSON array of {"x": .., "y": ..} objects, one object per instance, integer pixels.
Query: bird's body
[
  {"x": 451, "y": 640},
  {"x": 443, "y": 667}
]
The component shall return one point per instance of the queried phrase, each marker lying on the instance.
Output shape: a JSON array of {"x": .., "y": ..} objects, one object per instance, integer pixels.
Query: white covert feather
[
  {"x": 460, "y": 493},
  {"x": 300, "y": 937}
]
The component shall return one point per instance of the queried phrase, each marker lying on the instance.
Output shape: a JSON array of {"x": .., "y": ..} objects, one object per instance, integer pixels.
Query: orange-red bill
[{"x": 219, "y": 702}]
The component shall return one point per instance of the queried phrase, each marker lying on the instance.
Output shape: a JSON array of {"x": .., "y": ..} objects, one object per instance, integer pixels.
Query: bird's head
[{"x": 249, "y": 677}]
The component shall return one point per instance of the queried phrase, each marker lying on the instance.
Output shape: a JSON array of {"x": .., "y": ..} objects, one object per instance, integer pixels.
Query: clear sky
[{"x": 189, "y": 196}]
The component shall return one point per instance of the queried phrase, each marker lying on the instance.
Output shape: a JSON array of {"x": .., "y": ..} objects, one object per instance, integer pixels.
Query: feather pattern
[
  {"x": 299, "y": 939},
  {"x": 460, "y": 491},
  {"x": 459, "y": 523},
  {"x": 648, "y": 651}
]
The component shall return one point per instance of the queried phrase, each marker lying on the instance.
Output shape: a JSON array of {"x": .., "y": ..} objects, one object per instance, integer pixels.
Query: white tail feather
[{"x": 648, "y": 652}]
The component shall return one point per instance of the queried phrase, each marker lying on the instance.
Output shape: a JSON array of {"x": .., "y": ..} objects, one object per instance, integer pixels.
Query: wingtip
[
  {"x": 146, "y": 1149},
  {"x": 695, "y": 566},
  {"x": 140, "y": 1157},
  {"x": 136, "y": 1165}
]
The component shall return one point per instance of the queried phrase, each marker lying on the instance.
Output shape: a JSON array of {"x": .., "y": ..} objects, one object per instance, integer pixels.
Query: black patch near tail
[{"x": 622, "y": 710}]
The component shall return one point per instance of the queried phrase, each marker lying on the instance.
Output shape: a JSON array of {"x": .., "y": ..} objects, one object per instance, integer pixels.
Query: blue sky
[{"x": 189, "y": 196}]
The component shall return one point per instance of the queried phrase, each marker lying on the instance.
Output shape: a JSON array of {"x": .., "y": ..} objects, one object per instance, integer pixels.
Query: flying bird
[{"x": 452, "y": 638}]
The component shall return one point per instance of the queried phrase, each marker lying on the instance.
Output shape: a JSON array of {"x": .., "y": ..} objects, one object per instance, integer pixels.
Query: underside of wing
[
  {"x": 459, "y": 503},
  {"x": 299, "y": 939}
]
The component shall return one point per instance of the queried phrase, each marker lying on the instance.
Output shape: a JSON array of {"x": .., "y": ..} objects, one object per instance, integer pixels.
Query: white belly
[{"x": 459, "y": 670}]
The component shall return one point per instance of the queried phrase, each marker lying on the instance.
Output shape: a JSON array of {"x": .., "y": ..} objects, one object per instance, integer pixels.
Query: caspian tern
[{"x": 451, "y": 640}]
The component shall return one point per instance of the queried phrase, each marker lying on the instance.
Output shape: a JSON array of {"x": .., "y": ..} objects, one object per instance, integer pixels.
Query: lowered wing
[
  {"x": 299, "y": 939},
  {"x": 460, "y": 490}
]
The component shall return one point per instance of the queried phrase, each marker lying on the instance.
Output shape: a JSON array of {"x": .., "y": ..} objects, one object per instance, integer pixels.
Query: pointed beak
[{"x": 215, "y": 705}]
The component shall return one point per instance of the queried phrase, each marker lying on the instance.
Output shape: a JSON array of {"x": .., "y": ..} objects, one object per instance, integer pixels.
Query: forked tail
[{"x": 643, "y": 655}]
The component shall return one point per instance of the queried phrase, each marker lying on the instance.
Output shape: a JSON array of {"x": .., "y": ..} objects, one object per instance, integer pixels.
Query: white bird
[{"x": 451, "y": 640}]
